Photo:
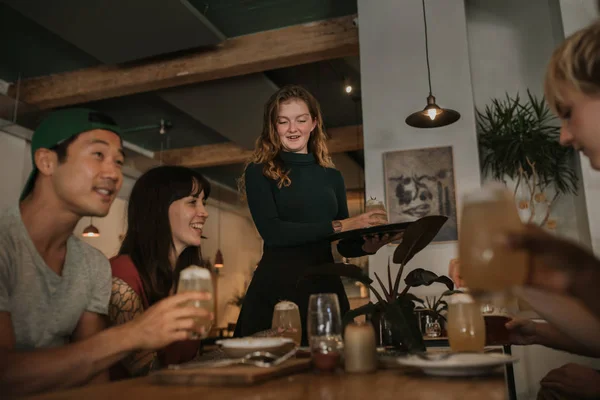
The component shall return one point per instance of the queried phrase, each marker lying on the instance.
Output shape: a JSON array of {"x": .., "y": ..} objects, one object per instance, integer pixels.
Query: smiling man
[{"x": 54, "y": 288}]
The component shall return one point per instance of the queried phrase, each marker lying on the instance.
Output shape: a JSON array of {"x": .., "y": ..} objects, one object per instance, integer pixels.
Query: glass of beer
[
  {"x": 197, "y": 279},
  {"x": 373, "y": 204},
  {"x": 286, "y": 318},
  {"x": 485, "y": 265},
  {"x": 466, "y": 326}
]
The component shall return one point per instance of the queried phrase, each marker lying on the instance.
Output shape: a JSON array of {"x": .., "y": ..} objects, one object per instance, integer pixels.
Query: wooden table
[{"x": 391, "y": 384}]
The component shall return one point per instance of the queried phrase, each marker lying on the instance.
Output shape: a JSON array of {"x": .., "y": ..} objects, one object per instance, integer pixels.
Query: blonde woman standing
[{"x": 297, "y": 199}]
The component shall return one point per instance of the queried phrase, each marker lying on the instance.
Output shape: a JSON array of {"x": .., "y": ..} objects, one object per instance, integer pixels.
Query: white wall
[
  {"x": 508, "y": 53},
  {"x": 500, "y": 46},
  {"x": 394, "y": 84},
  {"x": 14, "y": 167}
]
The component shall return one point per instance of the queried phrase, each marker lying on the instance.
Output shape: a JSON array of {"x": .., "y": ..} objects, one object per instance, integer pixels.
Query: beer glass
[
  {"x": 197, "y": 279},
  {"x": 485, "y": 265},
  {"x": 466, "y": 326},
  {"x": 372, "y": 205},
  {"x": 286, "y": 318}
]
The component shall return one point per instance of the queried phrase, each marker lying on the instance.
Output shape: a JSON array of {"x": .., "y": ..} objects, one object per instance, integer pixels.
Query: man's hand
[
  {"x": 522, "y": 332},
  {"x": 167, "y": 321},
  {"x": 574, "y": 380}
]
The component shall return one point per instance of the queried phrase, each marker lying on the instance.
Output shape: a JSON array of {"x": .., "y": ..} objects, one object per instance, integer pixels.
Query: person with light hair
[{"x": 572, "y": 88}]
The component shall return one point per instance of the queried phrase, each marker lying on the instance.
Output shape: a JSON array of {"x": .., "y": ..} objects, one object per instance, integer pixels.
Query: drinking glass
[
  {"x": 466, "y": 326},
  {"x": 197, "y": 279},
  {"x": 485, "y": 265},
  {"x": 324, "y": 329},
  {"x": 286, "y": 318},
  {"x": 373, "y": 204}
]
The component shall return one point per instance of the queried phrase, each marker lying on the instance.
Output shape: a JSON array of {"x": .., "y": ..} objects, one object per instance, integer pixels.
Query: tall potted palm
[{"x": 518, "y": 140}]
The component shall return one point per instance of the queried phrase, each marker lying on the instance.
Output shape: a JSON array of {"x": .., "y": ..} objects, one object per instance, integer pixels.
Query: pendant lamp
[
  {"x": 91, "y": 230},
  {"x": 432, "y": 116}
]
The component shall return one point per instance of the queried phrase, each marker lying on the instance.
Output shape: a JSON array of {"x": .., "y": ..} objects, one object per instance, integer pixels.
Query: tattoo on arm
[{"x": 125, "y": 305}]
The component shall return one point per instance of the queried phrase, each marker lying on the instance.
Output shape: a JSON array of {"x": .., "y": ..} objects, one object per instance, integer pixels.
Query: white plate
[
  {"x": 459, "y": 364},
  {"x": 239, "y": 347}
]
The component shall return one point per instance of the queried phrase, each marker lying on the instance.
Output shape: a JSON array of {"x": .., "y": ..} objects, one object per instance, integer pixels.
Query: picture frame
[{"x": 421, "y": 182}]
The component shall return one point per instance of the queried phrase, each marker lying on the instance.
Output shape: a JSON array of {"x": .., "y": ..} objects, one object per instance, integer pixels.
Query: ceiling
[{"x": 41, "y": 37}]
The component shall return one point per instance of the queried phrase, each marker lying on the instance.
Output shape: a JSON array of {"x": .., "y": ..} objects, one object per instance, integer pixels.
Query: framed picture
[{"x": 420, "y": 182}]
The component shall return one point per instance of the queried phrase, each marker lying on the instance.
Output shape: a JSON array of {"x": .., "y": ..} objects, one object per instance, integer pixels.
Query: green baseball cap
[{"x": 62, "y": 125}]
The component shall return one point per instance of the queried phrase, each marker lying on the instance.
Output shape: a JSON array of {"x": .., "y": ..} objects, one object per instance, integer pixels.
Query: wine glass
[
  {"x": 197, "y": 279},
  {"x": 286, "y": 319},
  {"x": 324, "y": 330}
]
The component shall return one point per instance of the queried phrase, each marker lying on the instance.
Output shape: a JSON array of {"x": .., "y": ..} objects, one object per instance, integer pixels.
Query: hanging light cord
[{"x": 426, "y": 48}]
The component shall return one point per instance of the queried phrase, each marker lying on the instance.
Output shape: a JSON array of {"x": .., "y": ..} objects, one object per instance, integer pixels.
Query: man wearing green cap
[{"x": 54, "y": 288}]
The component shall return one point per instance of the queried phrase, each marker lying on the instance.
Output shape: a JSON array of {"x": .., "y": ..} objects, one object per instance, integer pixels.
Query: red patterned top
[{"x": 176, "y": 353}]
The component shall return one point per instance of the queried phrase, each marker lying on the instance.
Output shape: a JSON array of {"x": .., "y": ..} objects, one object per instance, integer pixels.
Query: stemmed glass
[{"x": 324, "y": 330}]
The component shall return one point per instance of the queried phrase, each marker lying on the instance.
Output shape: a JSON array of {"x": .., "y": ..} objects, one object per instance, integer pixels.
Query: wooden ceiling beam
[
  {"x": 341, "y": 140},
  {"x": 241, "y": 55}
]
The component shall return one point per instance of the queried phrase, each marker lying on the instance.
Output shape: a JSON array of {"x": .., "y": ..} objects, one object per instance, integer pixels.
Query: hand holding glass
[{"x": 486, "y": 265}]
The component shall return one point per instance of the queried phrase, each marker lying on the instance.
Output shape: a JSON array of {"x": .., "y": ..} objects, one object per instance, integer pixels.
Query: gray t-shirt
[{"x": 45, "y": 307}]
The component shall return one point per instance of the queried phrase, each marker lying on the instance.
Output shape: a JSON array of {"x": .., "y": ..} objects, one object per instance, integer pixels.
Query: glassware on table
[
  {"x": 286, "y": 318},
  {"x": 197, "y": 279},
  {"x": 324, "y": 329},
  {"x": 485, "y": 265},
  {"x": 466, "y": 326}
]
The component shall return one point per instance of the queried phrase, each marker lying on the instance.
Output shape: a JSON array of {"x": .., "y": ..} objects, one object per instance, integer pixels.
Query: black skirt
[{"x": 280, "y": 276}]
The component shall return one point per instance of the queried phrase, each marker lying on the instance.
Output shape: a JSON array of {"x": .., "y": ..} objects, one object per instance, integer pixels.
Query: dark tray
[{"x": 372, "y": 231}]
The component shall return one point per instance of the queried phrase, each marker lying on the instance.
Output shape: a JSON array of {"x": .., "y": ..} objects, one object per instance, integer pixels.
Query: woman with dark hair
[
  {"x": 165, "y": 218},
  {"x": 297, "y": 199}
]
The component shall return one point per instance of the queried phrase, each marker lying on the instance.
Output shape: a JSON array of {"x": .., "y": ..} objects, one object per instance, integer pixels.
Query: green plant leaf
[
  {"x": 365, "y": 309},
  {"x": 416, "y": 237},
  {"x": 414, "y": 298},
  {"x": 512, "y": 131},
  {"x": 385, "y": 292},
  {"x": 422, "y": 277}
]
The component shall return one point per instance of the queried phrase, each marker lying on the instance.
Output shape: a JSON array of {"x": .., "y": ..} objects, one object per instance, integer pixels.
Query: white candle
[{"x": 360, "y": 353}]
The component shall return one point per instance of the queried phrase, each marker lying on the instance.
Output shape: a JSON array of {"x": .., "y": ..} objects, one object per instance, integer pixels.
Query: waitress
[{"x": 297, "y": 199}]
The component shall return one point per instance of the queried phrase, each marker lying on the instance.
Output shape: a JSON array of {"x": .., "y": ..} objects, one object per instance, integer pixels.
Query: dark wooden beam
[
  {"x": 341, "y": 140},
  {"x": 258, "y": 52}
]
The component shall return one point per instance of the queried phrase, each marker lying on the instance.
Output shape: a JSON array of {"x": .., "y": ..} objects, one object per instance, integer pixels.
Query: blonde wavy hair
[
  {"x": 574, "y": 64},
  {"x": 268, "y": 144}
]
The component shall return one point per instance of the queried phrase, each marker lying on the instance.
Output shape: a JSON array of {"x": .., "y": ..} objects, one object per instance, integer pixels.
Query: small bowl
[{"x": 239, "y": 347}]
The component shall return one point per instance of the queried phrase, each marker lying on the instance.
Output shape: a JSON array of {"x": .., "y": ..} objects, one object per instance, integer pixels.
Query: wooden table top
[{"x": 389, "y": 384}]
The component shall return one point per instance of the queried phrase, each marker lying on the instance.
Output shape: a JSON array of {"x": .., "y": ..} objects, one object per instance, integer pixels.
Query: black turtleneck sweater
[{"x": 302, "y": 212}]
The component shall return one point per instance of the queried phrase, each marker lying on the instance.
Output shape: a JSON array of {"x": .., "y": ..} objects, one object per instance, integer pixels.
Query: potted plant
[
  {"x": 394, "y": 309},
  {"x": 518, "y": 139}
]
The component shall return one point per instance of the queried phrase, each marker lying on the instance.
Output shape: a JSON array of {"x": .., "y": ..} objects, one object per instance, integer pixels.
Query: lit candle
[{"x": 360, "y": 353}]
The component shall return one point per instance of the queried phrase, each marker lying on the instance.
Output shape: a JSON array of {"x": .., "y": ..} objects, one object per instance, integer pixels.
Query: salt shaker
[{"x": 360, "y": 352}]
